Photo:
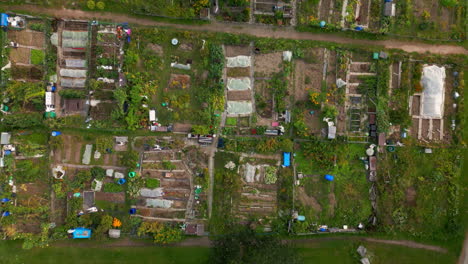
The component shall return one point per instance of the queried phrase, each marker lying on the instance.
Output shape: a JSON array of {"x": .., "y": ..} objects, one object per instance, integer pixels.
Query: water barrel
[
  {"x": 132, "y": 211},
  {"x": 7, "y": 152},
  {"x": 322, "y": 24},
  {"x": 121, "y": 181},
  {"x": 131, "y": 174},
  {"x": 4, "y": 200}
]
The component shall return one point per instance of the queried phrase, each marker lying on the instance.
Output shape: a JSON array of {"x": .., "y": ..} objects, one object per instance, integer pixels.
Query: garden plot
[
  {"x": 167, "y": 193},
  {"x": 427, "y": 108},
  {"x": 309, "y": 74},
  {"x": 267, "y": 64},
  {"x": 35, "y": 196},
  {"x": 343, "y": 201},
  {"x": 330, "y": 11},
  {"x": 27, "y": 38},
  {"x": 258, "y": 192}
]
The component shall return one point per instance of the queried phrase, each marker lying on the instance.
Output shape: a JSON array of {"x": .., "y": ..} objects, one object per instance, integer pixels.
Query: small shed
[
  {"x": 382, "y": 139},
  {"x": 286, "y": 159},
  {"x": 114, "y": 233},
  {"x": 195, "y": 229},
  {"x": 121, "y": 140},
  {"x": 389, "y": 9},
  {"x": 373, "y": 163},
  {"x": 5, "y": 138},
  {"x": 152, "y": 116},
  {"x": 88, "y": 199},
  {"x": 81, "y": 232},
  {"x": 331, "y": 132}
]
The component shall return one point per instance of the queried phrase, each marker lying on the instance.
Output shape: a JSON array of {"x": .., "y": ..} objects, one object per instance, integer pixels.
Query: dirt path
[{"x": 250, "y": 29}]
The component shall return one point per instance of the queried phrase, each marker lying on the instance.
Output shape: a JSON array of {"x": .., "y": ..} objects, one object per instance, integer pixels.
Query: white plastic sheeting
[
  {"x": 146, "y": 192},
  {"x": 239, "y": 107},
  {"x": 87, "y": 154},
  {"x": 74, "y": 39},
  {"x": 72, "y": 83},
  {"x": 287, "y": 55},
  {"x": 73, "y": 73},
  {"x": 75, "y": 63},
  {"x": 433, "y": 80},
  {"x": 238, "y": 84},
  {"x": 238, "y": 61},
  {"x": 159, "y": 203},
  {"x": 180, "y": 66}
]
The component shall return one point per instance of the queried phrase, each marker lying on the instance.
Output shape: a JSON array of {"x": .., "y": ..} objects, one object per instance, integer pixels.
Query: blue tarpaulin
[
  {"x": 4, "y": 20},
  {"x": 81, "y": 232},
  {"x": 329, "y": 177},
  {"x": 286, "y": 159}
]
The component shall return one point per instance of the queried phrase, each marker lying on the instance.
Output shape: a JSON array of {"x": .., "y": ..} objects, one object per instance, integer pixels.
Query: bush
[
  {"x": 37, "y": 57},
  {"x": 22, "y": 120},
  {"x": 91, "y": 4},
  {"x": 98, "y": 173},
  {"x": 231, "y": 121},
  {"x": 100, "y": 5},
  {"x": 113, "y": 187},
  {"x": 152, "y": 183},
  {"x": 449, "y": 3}
]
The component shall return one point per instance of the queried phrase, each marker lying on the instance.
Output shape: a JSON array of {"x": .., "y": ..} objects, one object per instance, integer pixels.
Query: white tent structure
[
  {"x": 238, "y": 84},
  {"x": 433, "y": 82}
]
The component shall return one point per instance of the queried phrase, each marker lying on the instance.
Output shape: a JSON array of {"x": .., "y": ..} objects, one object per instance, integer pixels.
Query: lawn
[
  {"x": 37, "y": 57},
  {"x": 320, "y": 251}
]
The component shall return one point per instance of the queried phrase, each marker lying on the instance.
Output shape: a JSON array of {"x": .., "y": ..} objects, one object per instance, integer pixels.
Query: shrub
[
  {"x": 72, "y": 94},
  {"x": 98, "y": 173},
  {"x": 152, "y": 183},
  {"x": 22, "y": 120},
  {"x": 91, "y": 4},
  {"x": 449, "y": 3},
  {"x": 100, "y": 5},
  {"x": 37, "y": 57}
]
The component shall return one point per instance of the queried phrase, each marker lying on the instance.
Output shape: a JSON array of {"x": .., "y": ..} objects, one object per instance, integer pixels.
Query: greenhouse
[
  {"x": 73, "y": 73},
  {"x": 73, "y": 83},
  {"x": 433, "y": 81}
]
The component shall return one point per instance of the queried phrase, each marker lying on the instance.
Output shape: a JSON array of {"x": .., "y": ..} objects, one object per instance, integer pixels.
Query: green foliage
[
  {"x": 243, "y": 245},
  {"x": 270, "y": 175},
  {"x": 100, "y": 5},
  {"x": 81, "y": 179},
  {"x": 113, "y": 187},
  {"x": 134, "y": 185},
  {"x": 130, "y": 159},
  {"x": 91, "y": 4},
  {"x": 167, "y": 165},
  {"x": 329, "y": 111},
  {"x": 287, "y": 145},
  {"x": 37, "y": 57},
  {"x": 216, "y": 64},
  {"x": 22, "y": 120},
  {"x": 104, "y": 142},
  {"x": 449, "y": 3},
  {"x": 152, "y": 183},
  {"x": 37, "y": 27},
  {"x": 23, "y": 93},
  {"x": 320, "y": 153},
  {"x": 162, "y": 233},
  {"x": 231, "y": 121},
  {"x": 98, "y": 173},
  {"x": 72, "y": 94},
  {"x": 100, "y": 233},
  {"x": 201, "y": 129},
  {"x": 58, "y": 190},
  {"x": 28, "y": 171}
]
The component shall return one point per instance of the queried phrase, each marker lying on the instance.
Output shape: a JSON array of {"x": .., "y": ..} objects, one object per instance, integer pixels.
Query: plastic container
[
  {"x": 131, "y": 174},
  {"x": 121, "y": 181},
  {"x": 329, "y": 177},
  {"x": 56, "y": 133},
  {"x": 132, "y": 211},
  {"x": 301, "y": 218}
]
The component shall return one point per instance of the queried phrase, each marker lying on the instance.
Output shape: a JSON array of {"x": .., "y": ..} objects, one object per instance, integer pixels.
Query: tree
[
  {"x": 130, "y": 159},
  {"x": 100, "y": 5},
  {"x": 98, "y": 173},
  {"x": 243, "y": 245},
  {"x": 91, "y": 4},
  {"x": 287, "y": 145}
]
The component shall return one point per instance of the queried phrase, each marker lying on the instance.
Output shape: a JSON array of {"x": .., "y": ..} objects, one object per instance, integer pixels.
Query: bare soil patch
[
  {"x": 110, "y": 197},
  {"x": 415, "y": 105},
  {"x": 156, "y": 48},
  {"x": 414, "y": 127},
  {"x": 239, "y": 95},
  {"x": 27, "y": 38},
  {"x": 267, "y": 64},
  {"x": 425, "y": 129},
  {"x": 309, "y": 201},
  {"x": 232, "y": 51},
  {"x": 20, "y": 55},
  {"x": 410, "y": 194},
  {"x": 308, "y": 78},
  {"x": 238, "y": 72}
]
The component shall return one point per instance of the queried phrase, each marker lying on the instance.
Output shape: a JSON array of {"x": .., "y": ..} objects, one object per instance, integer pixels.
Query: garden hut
[
  {"x": 286, "y": 159},
  {"x": 114, "y": 233},
  {"x": 88, "y": 199},
  {"x": 5, "y": 138},
  {"x": 331, "y": 132},
  {"x": 195, "y": 229}
]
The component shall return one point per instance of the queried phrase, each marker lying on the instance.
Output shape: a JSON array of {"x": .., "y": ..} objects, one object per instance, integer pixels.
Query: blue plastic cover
[
  {"x": 329, "y": 177},
  {"x": 286, "y": 159},
  {"x": 359, "y": 28},
  {"x": 6, "y": 213},
  {"x": 4, "y": 20},
  {"x": 4, "y": 200}
]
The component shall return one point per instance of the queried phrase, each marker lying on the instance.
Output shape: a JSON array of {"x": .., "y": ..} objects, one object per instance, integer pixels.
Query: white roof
[
  {"x": 5, "y": 138},
  {"x": 49, "y": 98},
  {"x": 331, "y": 132},
  {"x": 433, "y": 80},
  {"x": 152, "y": 115}
]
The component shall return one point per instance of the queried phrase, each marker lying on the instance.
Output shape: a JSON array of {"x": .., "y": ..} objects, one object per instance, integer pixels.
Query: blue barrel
[
  {"x": 121, "y": 181},
  {"x": 6, "y": 213},
  {"x": 53, "y": 88},
  {"x": 7, "y": 152},
  {"x": 322, "y": 24},
  {"x": 56, "y": 133},
  {"x": 301, "y": 218},
  {"x": 329, "y": 177},
  {"x": 322, "y": 230},
  {"x": 132, "y": 211}
]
